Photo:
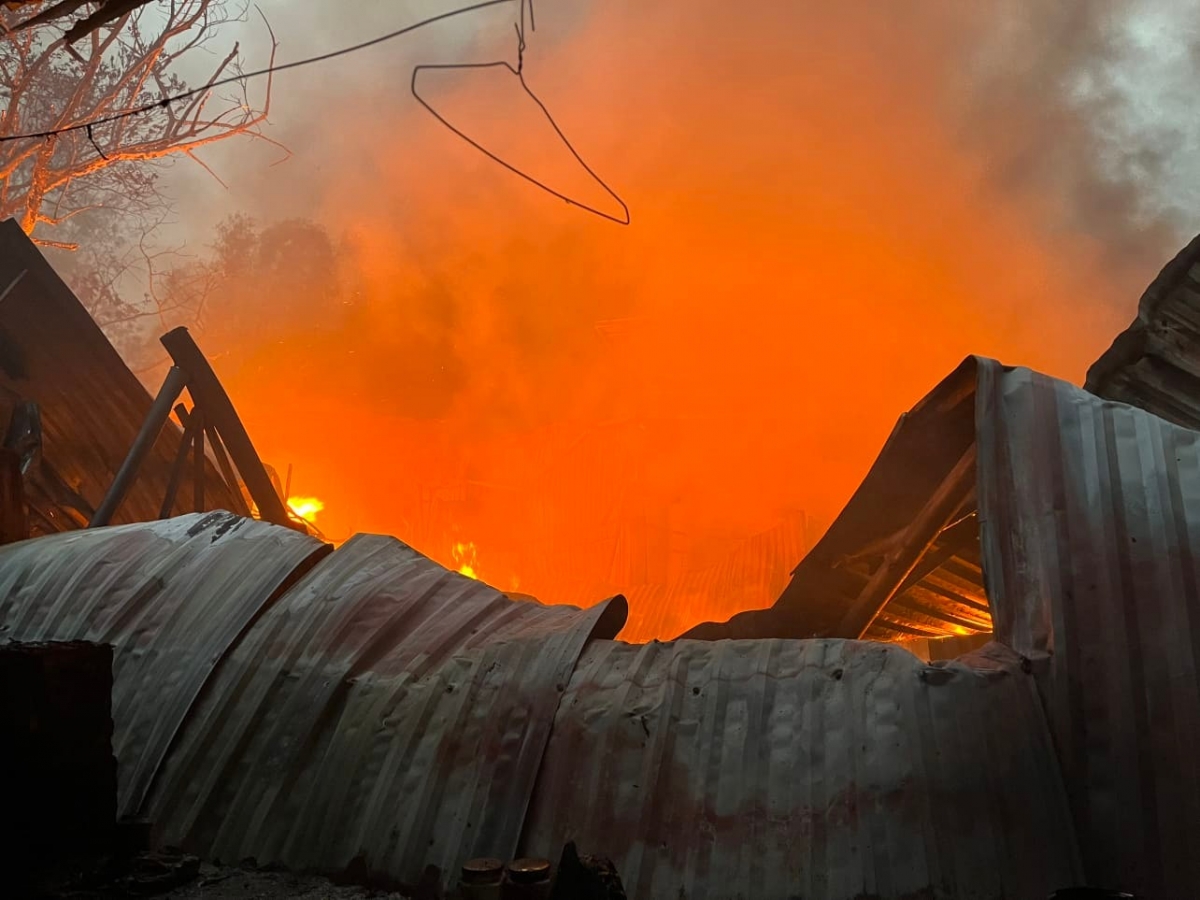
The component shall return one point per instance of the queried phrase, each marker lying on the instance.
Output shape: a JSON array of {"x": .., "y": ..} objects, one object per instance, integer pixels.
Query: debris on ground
[{"x": 173, "y": 875}]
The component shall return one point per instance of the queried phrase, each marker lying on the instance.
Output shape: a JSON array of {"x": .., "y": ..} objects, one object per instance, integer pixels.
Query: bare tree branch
[{"x": 125, "y": 64}]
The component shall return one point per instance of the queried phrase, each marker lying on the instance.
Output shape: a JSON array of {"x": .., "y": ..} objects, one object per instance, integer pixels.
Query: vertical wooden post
[
  {"x": 198, "y": 460},
  {"x": 14, "y": 524}
]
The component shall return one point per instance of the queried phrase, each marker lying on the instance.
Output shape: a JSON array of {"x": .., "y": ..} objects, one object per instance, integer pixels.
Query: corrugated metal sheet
[
  {"x": 827, "y": 770},
  {"x": 52, "y": 352},
  {"x": 385, "y": 712},
  {"x": 171, "y": 597},
  {"x": 1155, "y": 363},
  {"x": 944, "y": 597},
  {"x": 1091, "y": 533}
]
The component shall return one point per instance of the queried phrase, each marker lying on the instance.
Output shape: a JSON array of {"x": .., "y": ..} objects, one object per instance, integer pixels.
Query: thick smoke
[{"x": 832, "y": 205}]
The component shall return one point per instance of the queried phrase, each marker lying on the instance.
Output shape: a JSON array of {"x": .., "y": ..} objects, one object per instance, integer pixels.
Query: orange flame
[
  {"x": 464, "y": 558},
  {"x": 305, "y": 507}
]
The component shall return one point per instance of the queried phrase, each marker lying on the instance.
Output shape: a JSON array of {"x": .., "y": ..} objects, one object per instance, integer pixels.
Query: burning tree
[{"x": 127, "y": 64}]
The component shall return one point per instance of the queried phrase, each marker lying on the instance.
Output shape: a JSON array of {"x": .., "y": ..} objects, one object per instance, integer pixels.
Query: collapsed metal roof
[
  {"x": 372, "y": 710},
  {"x": 387, "y": 713},
  {"x": 384, "y": 713},
  {"x": 880, "y": 572},
  {"x": 92, "y": 406},
  {"x": 1089, "y": 526}
]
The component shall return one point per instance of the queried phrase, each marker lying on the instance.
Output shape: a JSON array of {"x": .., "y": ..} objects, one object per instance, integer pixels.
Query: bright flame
[
  {"x": 305, "y": 507},
  {"x": 464, "y": 558}
]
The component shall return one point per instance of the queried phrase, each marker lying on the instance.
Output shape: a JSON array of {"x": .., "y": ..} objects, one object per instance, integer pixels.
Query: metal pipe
[
  {"x": 152, "y": 426},
  {"x": 185, "y": 445}
]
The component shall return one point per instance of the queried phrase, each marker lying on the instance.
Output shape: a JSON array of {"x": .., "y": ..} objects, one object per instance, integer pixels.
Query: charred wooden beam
[
  {"x": 918, "y": 538},
  {"x": 950, "y": 541},
  {"x": 210, "y": 396},
  {"x": 156, "y": 418}
]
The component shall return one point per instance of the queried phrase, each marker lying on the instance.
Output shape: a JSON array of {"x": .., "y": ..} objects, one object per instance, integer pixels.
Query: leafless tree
[{"x": 133, "y": 62}]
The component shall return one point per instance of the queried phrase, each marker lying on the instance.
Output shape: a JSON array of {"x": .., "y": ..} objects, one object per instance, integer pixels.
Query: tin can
[
  {"x": 527, "y": 879},
  {"x": 481, "y": 879}
]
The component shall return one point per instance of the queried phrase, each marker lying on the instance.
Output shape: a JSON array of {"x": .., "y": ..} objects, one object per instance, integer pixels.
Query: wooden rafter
[{"x": 912, "y": 545}]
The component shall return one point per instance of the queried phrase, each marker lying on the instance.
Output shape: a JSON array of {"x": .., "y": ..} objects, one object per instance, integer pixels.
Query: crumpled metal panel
[
  {"x": 947, "y": 600},
  {"x": 169, "y": 596},
  {"x": 1154, "y": 364},
  {"x": 821, "y": 769},
  {"x": 1091, "y": 532},
  {"x": 384, "y": 715}
]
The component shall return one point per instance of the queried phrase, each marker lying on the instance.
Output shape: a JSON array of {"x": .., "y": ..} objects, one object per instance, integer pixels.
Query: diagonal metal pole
[{"x": 152, "y": 426}]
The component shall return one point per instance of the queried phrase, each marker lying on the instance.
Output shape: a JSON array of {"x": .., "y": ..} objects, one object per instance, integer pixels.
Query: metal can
[
  {"x": 527, "y": 879},
  {"x": 481, "y": 879}
]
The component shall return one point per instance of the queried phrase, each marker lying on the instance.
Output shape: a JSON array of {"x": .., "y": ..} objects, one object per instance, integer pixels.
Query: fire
[
  {"x": 305, "y": 507},
  {"x": 698, "y": 382},
  {"x": 464, "y": 558}
]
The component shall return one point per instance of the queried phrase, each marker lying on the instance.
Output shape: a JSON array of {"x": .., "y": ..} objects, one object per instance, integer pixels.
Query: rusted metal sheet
[
  {"x": 1154, "y": 364},
  {"x": 92, "y": 406},
  {"x": 827, "y": 770},
  {"x": 944, "y": 594},
  {"x": 385, "y": 714},
  {"x": 170, "y": 597},
  {"x": 1091, "y": 535}
]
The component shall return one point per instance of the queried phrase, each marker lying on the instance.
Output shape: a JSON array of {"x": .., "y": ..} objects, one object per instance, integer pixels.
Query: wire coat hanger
[{"x": 518, "y": 72}]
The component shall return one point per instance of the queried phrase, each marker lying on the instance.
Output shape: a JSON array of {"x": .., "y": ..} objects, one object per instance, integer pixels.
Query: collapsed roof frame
[
  {"x": 84, "y": 438},
  {"x": 212, "y": 415}
]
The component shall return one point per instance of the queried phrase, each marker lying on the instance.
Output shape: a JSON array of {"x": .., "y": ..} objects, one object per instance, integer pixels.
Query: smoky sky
[{"x": 832, "y": 204}]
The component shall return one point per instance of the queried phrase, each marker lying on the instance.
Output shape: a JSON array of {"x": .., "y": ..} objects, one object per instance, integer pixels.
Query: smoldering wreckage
[{"x": 980, "y": 683}]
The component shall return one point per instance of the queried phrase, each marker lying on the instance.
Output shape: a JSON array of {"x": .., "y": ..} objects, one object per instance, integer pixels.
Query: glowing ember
[
  {"x": 464, "y": 558},
  {"x": 305, "y": 507}
]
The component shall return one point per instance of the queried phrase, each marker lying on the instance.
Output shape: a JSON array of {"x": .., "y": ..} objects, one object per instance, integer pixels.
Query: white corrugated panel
[
  {"x": 383, "y": 715},
  {"x": 170, "y": 597},
  {"x": 1091, "y": 532},
  {"x": 827, "y": 770}
]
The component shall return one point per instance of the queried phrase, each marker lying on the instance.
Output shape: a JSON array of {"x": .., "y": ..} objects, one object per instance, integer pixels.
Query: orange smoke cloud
[{"x": 825, "y": 221}]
